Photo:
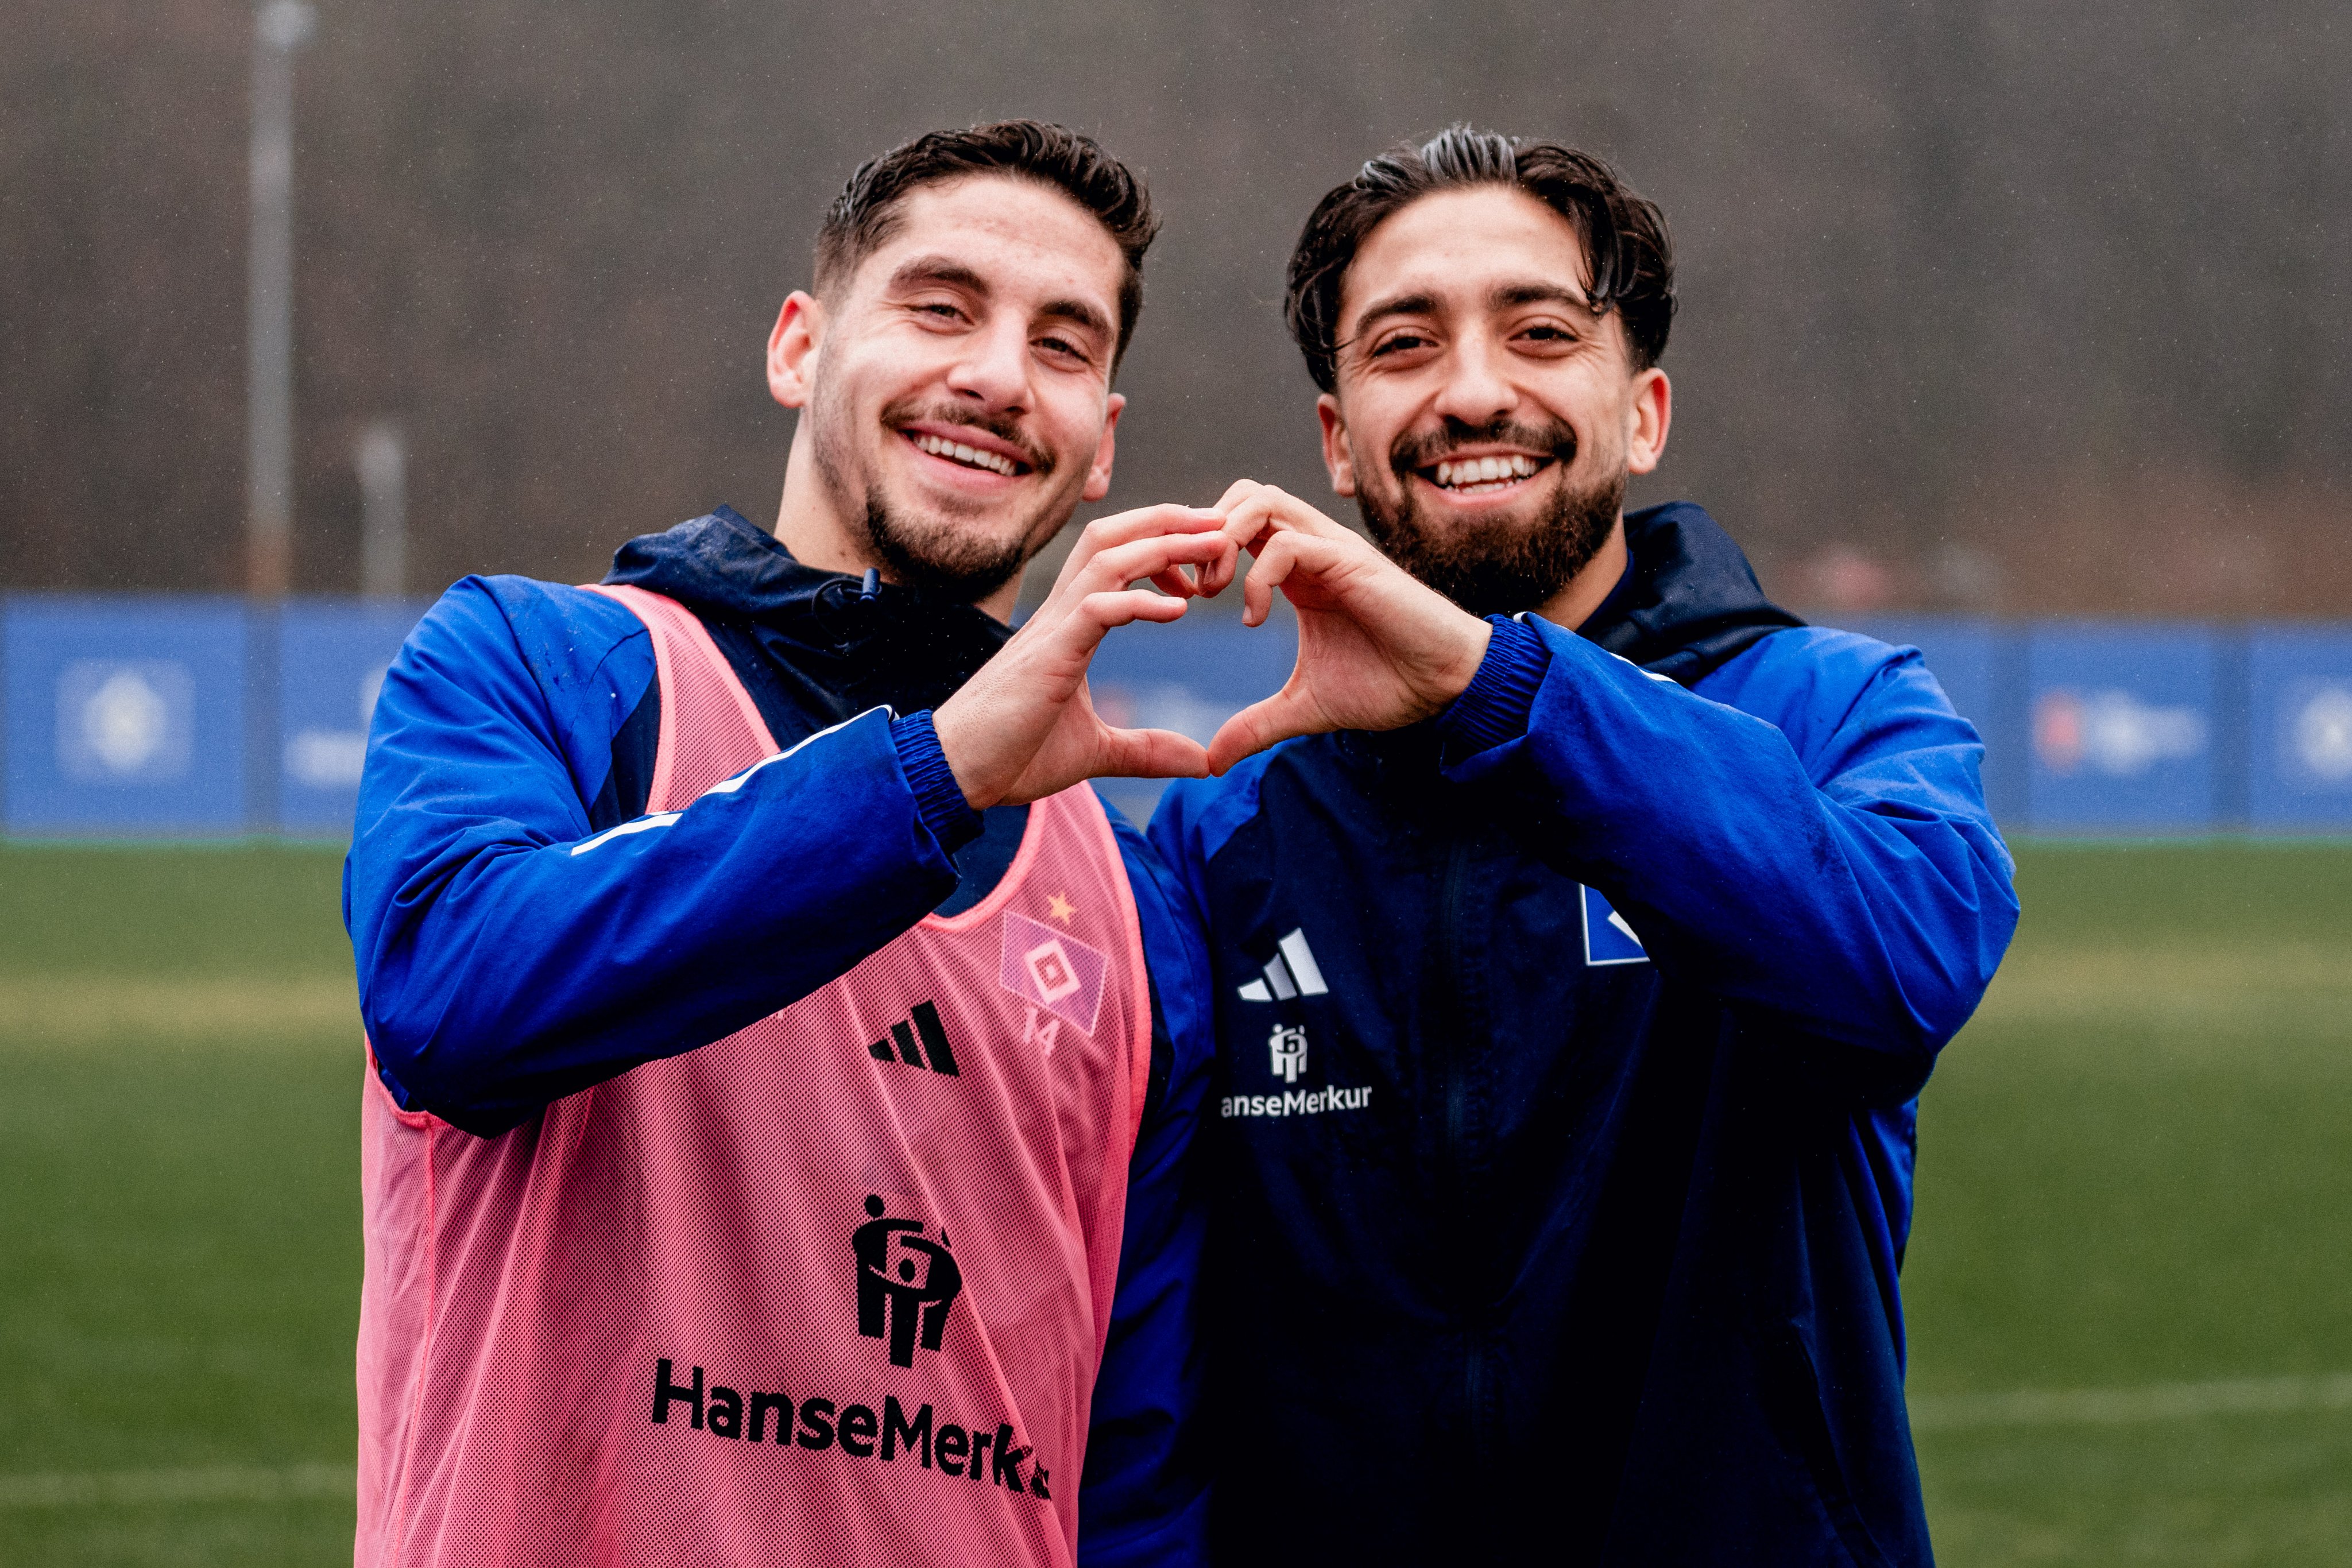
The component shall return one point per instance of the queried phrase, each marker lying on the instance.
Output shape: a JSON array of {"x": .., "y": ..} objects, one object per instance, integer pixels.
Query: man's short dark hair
[
  {"x": 1626, "y": 248},
  {"x": 866, "y": 211}
]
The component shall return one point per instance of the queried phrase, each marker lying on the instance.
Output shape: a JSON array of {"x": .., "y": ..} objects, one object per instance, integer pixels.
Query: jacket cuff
[
  {"x": 939, "y": 799},
  {"x": 1493, "y": 707}
]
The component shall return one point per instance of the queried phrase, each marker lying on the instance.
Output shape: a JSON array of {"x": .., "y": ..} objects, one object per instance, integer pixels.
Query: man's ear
[
  {"x": 1336, "y": 456},
  {"x": 1099, "y": 476},
  {"x": 793, "y": 348},
  {"x": 1646, "y": 418}
]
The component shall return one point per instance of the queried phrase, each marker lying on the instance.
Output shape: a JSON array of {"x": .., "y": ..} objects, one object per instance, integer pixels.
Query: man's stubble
[{"x": 940, "y": 556}]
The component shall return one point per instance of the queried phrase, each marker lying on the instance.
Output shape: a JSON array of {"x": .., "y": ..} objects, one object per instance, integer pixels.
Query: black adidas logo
[{"x": 923, "y": 1026}]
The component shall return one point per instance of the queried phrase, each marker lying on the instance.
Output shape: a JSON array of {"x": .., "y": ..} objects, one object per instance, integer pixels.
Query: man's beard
[
  {"x": 942, "y": 557},
  {"x": 937, "y": 558},
  {"x": 1506, "y": 565}
]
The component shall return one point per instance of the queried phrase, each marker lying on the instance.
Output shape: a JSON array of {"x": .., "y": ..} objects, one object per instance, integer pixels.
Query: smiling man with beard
[
  {"x": 1580, "y": 948},
  {"x": 780, "y": 1063}
]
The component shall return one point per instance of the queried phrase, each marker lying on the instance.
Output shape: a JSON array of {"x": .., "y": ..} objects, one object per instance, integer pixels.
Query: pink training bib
[{"x": 831, "y": 1291}]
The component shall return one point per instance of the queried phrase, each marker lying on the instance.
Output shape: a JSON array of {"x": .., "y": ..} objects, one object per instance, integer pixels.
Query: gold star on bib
[{"x": 1060, "y": 908}]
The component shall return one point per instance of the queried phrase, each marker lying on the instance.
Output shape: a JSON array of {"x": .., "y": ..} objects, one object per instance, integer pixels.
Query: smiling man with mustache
[
  {"x": 1580, "y": 945},
  {"x": 780, "y": 1064}
]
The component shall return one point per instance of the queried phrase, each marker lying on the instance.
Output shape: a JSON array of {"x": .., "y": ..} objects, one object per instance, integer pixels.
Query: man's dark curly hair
[
  {"x": 866, "y": 211},
  {"x": 1626, "y": 247}
]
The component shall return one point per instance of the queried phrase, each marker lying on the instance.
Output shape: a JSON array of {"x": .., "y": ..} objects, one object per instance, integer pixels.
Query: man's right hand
[
  {"x": 1024, "y": 727},
  {"x": 1378, "y": 649}
]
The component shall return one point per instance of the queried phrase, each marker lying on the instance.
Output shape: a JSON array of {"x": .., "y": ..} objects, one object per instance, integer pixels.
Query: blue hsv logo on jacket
[
  {"x": 1608, "y": 939},
  {"x": 1591, "y": 1248}
]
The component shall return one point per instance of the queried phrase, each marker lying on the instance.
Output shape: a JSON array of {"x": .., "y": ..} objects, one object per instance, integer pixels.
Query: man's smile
[
  {"x": 1482, "y": 476},
  {"x": 968, "y": 451}
]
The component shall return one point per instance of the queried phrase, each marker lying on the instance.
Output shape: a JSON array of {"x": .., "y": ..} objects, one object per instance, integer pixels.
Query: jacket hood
[
  {"x": 1688, "y": 602},
  {"x": 900, "y": 647}
]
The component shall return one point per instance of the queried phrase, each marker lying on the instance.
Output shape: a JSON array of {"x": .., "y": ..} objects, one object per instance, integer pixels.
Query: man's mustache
[
  {"x": 1039, "y": 460},
  {"x": 1408, "y": 452}
]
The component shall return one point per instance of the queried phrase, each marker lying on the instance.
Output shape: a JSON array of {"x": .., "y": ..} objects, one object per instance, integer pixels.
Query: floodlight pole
[{"x": 280, "y": 26}]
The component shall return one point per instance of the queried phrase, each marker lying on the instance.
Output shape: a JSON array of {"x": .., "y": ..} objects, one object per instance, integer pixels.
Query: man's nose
[
  {"x": 1477, "y": 389},
  {"x": 992, "y": 371}
]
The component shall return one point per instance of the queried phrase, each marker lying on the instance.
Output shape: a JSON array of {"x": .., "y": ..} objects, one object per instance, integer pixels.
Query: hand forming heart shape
[{"x": 1377, "y": 649}]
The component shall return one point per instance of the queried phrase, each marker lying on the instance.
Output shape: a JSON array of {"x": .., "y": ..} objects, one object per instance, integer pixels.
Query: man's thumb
[{"x": 1262, "y": 724}]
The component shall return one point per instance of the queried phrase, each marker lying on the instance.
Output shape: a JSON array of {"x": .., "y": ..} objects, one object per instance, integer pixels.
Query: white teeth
[
  {"x": 1484, "y": 470},
  {"x": 940, "y": 446}
]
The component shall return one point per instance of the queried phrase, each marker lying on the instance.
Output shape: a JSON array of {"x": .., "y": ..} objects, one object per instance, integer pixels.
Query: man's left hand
[{"x": 1377, "y": 648}]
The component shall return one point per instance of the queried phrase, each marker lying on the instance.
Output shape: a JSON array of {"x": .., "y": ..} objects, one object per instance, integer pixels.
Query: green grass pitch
[{"x": 2134, "y": 1171}]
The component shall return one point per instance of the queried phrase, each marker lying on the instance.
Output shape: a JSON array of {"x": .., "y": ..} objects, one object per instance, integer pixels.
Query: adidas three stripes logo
[
  {"x": 1291, "y": 972},
  {"x": 917, "y": 1037}
]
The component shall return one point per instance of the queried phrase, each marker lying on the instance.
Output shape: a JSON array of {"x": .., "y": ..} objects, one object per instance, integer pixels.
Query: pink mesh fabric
[{"x": 884, "y": 1221}]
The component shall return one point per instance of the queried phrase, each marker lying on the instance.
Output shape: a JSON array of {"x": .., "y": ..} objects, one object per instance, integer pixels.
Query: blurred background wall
[{"x": 1996, "y": 306}]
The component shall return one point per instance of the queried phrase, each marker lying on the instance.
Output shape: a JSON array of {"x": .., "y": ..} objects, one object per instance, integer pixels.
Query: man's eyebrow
[
  {"x": 925, "y": 269},
  {"x": 1077, "y": 312},
  {"x": 1506, "y": 295},
  {"x": 1418, "y": 304},
  {"x": 1503, "y": 296},
  {"x": 929, "y": 269}
]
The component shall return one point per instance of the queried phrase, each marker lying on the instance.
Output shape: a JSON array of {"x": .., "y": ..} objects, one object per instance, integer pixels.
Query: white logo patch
[
  {"x": 1292, "y": 972},
  {"x": 1287, "y": 1048}
]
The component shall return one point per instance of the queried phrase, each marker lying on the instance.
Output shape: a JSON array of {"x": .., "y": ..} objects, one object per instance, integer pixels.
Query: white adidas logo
[{"x": 1292, "y": 972}]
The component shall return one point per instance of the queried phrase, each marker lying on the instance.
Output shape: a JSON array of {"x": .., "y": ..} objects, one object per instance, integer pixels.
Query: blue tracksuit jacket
[
  {"x": 1568, "y": 1052},
  {"x": 497, "y": 971}
]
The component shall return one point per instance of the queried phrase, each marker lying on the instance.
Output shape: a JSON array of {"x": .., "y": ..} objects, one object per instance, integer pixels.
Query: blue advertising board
[
  {"x": 125, "y": 715},
  {"x": 331, "y": 659},
  {"x": 149, "y": 715},
  {"x": 2125, "y": 727},
  {"x": 1189, "y": 678},
  {"x": 2300, "y": 680}
]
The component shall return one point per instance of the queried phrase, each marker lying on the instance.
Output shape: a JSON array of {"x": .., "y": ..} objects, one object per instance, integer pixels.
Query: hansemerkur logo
[
  {"x": 906, "y": 1284},
  {"x": 953, "y": 1447}
]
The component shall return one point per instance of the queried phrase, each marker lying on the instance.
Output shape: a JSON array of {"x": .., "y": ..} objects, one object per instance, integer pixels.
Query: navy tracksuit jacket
[{"x": 1567, "y": 1046}]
